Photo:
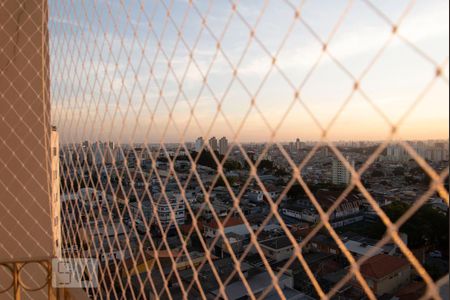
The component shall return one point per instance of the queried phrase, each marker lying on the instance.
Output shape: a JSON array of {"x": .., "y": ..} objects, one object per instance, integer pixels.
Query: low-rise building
[
  {"x": 258, "y": 284},
  {"x": 323, "y": 244},
  {"x": 348, "y": 212},
  {"x": 234, "y": 224},
  {"x": 278, "y": 249},
  {"x": 94, "y": 233},
  {"x": 386, "y": 274},
  {"x": 361, "y": 246},
  {"x": 171, "y": 210}
]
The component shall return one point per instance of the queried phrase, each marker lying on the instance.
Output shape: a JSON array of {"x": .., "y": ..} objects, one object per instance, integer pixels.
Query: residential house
[
  {"x": 278, "y": 249},
  {"x": 234, "y": 224},
  {"x": 386, "y": 274}
]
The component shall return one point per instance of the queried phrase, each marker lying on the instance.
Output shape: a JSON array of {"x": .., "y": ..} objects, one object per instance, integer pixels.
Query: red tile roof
[
  {"x": 327, "y": 198},
  {"x": 230, "y": 223},
  {"x": 187, "y": 228},
  {"x": 382, "y": 265},
  {"x": 415, "y": 290}
]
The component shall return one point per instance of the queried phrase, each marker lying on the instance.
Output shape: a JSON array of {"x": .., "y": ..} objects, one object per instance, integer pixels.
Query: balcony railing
[{"x": 35, "y": 283}]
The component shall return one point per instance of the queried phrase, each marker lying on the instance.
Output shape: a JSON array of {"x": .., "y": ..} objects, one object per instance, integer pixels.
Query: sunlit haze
[{"x": 130, "y": 70}]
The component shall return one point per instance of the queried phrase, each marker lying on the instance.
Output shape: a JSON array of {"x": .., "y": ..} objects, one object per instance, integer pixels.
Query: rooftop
[
  {"x": 234, "y": 221},
  {"x": 277, "y": 243},
  {"x": 361, "y": 248},
  {"x": 382, "y": 265}
]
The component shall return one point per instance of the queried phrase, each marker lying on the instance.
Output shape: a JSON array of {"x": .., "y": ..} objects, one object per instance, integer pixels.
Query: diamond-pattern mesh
[
  {"x": 133, "y": 83},
  {"x": 146, "y": 76}
]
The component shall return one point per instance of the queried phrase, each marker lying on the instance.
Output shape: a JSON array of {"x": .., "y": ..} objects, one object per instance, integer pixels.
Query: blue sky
[{"x": 111, "y": 78}]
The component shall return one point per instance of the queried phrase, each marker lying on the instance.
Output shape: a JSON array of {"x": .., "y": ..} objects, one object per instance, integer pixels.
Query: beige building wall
[
  {"x": 394, "y": 282},
  {"x": 56, "y": 198},
  {"x": 25, "y": 176}
]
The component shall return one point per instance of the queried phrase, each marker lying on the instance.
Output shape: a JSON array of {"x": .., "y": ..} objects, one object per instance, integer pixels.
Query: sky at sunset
[{"x": 132, "y": 72}]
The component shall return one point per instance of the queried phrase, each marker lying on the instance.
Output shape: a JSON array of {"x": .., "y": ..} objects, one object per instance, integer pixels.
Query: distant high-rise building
[
  {"x": 100, "y": 153},
  {"x": 396, "y": 153},
  {"x": 298, "y": 145},
  {"x": 83, "y": 152},
  {"x": 96, "y": 152},
  {"x": 436, "y": 154},
  {"x": 292, "y": 147},
  {"x": 214, "y": 144},
  {"x": 199, "y": 144},
  {"x": 421, "y": 148},
  {"x": 223, "y": 146},
  {"x": 340, "y": 174},
  {"x": 325, "y": 151},
  {"x": 119, "y": 155},
  {"x": 109, "y": 152}
]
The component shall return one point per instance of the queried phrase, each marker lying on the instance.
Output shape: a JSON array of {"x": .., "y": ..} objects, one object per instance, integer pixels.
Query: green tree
[{"x": 399, "y": 171}]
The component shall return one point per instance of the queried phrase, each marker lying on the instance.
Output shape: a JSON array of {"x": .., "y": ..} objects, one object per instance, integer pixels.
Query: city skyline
[{"x": 285, "y": 142}]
